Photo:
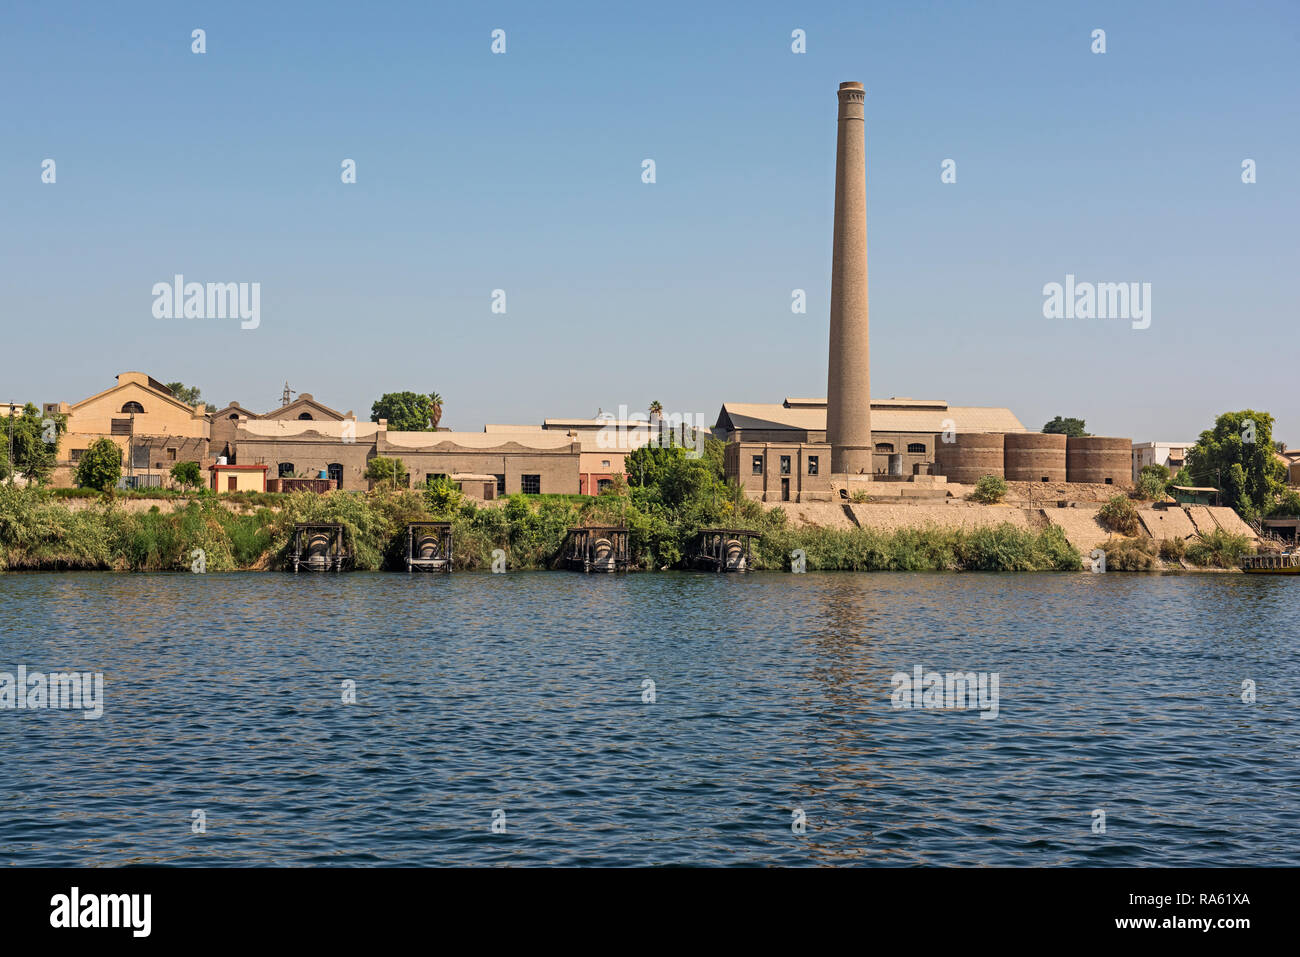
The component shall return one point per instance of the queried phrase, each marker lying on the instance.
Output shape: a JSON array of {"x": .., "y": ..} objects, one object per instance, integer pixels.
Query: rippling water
[{"x": 523, "y": 692}]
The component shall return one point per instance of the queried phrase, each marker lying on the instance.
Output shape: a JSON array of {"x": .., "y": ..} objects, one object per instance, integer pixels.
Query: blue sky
[{"x": 522, "y": 172}]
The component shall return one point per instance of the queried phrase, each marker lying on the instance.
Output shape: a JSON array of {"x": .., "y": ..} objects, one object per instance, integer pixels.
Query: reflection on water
[{"x": 523, "y": 692}]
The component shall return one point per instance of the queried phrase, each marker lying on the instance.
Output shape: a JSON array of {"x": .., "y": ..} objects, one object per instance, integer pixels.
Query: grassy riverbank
[{"x": 39, "y": 531}]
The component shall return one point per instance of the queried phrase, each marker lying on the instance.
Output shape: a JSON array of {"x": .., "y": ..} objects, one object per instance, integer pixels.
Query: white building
[{"x": 1172, "y": 455}]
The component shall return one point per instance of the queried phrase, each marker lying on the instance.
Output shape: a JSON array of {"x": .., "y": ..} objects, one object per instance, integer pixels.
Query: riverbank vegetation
[
  {"x": 671, "y": 497},
  {"x": 1215, "y": 549}
]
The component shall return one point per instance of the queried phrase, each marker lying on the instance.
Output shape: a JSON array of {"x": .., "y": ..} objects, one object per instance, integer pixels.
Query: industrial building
[{"x": 807, "y": 450}]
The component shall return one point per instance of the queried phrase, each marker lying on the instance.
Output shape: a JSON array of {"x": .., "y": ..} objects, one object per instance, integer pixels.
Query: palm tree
[
  {"x": 435, "y": 408},
  {"x": 656, "y": 412}
]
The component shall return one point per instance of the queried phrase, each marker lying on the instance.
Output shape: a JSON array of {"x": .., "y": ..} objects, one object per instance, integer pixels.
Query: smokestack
[{"x": 848, "y": 386}]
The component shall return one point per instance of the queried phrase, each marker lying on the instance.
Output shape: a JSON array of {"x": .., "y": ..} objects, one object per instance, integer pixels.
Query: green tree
[
  {"x": 383, "y": 470},
  {"x": 405, "y": 411},
  {"x": 1060, "y": 426},
  {"x": 189, "y": 394},
  {"x": 1288, "y": 504},
  {"x": 1154, "y": 482},
  {"x": 35, "y": 438},
  {"x": 187, "y": 474},
  {"x": 1151, "y": 485},
  {"x": 1236, "y": 457},
  {"x": 100, "y": 466}
]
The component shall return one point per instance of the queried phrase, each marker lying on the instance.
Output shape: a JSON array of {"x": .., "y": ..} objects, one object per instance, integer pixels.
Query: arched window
[
  {"x": 884, "y": 446},
  {"x": 916, "y": 447},
  {"x": 133, "y": 407},
  {"x": 233, "y": 416},
  {"x": 304, "y": 415}
]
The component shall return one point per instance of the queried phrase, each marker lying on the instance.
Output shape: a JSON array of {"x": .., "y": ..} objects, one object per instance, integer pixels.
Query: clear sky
[{"x": 523, "y": 172}]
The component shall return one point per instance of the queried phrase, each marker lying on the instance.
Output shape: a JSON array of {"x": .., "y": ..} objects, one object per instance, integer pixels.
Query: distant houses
[{"x": 306, "y": 443}]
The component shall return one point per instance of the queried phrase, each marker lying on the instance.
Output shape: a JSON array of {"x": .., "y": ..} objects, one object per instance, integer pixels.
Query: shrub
[
  {"x": 1130, "y": 554},
  {"x": 990, "y": 489},
  {"x": 1219, "y": 549},
  {"x": 100, "y": 466},
  {"x": 1119, "y": 515},
  {"x": 443, "y": 496},
  {"x": 1173, "y": 549},
  {"x": 859, "y": 497}
]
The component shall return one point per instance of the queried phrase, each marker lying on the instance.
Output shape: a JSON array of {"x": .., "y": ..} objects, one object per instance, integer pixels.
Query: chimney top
[{"x": 851, "y": 85}]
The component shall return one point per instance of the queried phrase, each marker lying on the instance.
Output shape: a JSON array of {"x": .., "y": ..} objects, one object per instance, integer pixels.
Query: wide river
[{"x": 772, "y": 738}]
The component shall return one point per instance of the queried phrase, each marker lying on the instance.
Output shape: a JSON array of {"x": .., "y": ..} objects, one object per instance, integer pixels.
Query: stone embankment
[{"x": 1076, "y": 517}]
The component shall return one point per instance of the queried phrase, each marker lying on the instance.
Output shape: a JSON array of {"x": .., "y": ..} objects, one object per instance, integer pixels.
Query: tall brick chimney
[{"x": 848, "y": 386}]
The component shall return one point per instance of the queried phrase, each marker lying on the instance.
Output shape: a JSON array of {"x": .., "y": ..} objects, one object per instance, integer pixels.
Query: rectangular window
[
  {"x": 140, "y": 457},
  {"x": 120, "y": 427},
  {"x": 501, "y": 484},
  {"x": 604, "y": 463},
  {"x": 758, "y": 465},
  {"x": 530, "y": 484},
  {"x": 812, "y": 465},
  {"x": 171, "y": 455},
  {"x": 76, "y": 454},
  {"x": 785, "y": 465}
]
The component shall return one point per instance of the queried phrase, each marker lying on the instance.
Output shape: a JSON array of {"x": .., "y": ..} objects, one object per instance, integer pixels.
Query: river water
[{"x": 772, "y": 737}]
